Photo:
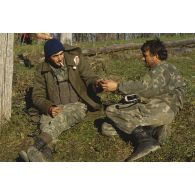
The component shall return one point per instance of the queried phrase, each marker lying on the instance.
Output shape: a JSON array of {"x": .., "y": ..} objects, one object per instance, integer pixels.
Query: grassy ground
[{"x": 84, "y": 142}]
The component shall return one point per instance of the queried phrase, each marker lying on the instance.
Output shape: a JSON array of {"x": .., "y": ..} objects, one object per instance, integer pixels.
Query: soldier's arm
[
  {"x": 150, "y": 85},
  {"x": 130, "y": 87}
]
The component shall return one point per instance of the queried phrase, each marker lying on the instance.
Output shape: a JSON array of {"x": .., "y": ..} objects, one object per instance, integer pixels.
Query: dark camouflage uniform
[{"x": 162, "y": 92}]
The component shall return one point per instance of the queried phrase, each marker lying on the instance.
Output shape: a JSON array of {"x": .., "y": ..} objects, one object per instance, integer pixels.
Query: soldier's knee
[
  {"x": 128, "y": 127},
  {"x": 111, "y": 108}
]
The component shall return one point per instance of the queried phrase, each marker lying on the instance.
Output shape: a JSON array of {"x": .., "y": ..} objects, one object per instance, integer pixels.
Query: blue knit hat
[{"x": 52, "y": 46}]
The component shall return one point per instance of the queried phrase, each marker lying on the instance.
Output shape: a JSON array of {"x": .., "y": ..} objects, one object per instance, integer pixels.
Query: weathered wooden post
[
  {"x": 66, "y": 38},
  {"x": 6, "y": 74}
]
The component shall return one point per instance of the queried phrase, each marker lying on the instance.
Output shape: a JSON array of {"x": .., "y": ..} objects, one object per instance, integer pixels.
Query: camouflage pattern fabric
[
  {"x": 160, "y": 82},
  {"x": 155, "y": 113},
  {"x": 70, "y": 115},
  {"x": 162, "y": 89}
]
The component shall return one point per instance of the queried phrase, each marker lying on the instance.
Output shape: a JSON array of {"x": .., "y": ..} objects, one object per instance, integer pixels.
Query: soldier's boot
[
  {"x": 32, "y": 155},
  {"x": 145, "y": 144},
  {"x": 40, "y": 151},
  {"x": 160, "y": 133},
  {"x": 108, "y": 130}
]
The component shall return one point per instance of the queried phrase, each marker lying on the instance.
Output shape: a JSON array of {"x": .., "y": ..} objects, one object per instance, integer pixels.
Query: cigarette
[{"x": 61, "y": 64}]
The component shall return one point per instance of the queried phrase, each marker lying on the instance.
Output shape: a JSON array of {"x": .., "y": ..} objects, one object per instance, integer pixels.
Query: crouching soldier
[
  {"x": 64, "y": 89},
  {"x": 159, "y": 97}
]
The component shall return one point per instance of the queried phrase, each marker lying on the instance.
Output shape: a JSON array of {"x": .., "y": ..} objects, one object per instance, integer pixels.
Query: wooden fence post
[{"x": 6, "y": 74}]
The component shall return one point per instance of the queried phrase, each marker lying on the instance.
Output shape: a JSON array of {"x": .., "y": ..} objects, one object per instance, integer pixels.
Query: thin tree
[{"x": 6, "y": 74}]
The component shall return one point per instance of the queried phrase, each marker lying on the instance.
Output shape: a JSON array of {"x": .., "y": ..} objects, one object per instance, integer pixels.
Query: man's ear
[
  {"x": 156, "y": 56},
  {"x": 157, "y": 59}
]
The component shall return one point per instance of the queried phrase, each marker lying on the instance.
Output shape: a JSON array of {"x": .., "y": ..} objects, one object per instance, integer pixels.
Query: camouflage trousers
[
  {"x": 70, "y": 115},
  {"x": 155, "y": 113}
]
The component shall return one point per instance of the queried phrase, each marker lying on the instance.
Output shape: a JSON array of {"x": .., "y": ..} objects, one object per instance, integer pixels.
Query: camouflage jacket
[
  {"x": 81, "y": 79},
  {"x": 162, "y": 82}
]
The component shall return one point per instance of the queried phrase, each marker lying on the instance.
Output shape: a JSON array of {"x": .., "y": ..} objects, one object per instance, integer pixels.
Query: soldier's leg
[
  {"x": 131, "y": 120},
  {"x": 70, "y": 115},
  {"x": 145, "y": 144},
  {"x": 108, "y": 129},
  {"x": 51, "y": 128},
  {"x": 156, "y": 113},
  {"x": 125, "y": 119},
  {"x": 158, "y": 122}
]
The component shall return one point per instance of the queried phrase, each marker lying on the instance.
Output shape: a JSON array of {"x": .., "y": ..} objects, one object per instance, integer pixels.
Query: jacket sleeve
[
  {"x": 86, "y": 72},
  {"x": 39, "y": 95},
  {"x": 152, "y": 84}
]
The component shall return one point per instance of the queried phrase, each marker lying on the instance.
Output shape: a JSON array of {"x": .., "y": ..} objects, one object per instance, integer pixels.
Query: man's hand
[
  {"x": 109, "y": 85},
  {"x": 97, "y": 87},
  {"x": 54, "y": 111}
]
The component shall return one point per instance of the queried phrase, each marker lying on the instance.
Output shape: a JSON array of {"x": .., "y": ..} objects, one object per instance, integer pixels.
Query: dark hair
[{"x": 156, "y": 47}]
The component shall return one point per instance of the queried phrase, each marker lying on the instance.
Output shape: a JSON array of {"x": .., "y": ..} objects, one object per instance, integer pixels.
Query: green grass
[{"x": 83, "y": 142}]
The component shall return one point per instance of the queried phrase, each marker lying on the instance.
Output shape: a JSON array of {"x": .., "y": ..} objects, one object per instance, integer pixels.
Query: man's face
[
  {"x": 150, "y": 60},
  {"x": 57, "y": 58}
]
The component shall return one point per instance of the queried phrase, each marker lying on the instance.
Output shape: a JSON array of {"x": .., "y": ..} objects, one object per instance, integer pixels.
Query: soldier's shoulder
[
  {"x": 38, "y": 67},
  {"x": 72, "y": 49},
  {"x": 171, "y": 70},
  {"x": 42, "y": 67},
  {"x": 167, "y": 65},
  {"x": 157, "y": 69}
]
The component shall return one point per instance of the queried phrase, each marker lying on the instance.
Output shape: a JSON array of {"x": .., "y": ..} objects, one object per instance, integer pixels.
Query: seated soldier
[
  {"x": 160, "y": 94},
  {"x": 64, "y": 89}
]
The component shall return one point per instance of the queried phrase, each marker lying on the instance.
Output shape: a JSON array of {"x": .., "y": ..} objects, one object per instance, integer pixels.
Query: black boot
[
  {"x": 39, "y": 152},
  {"x": 144, "y": 144},
  {"x": 160, "y": 133},
  {"x": 42, "y": 146}
]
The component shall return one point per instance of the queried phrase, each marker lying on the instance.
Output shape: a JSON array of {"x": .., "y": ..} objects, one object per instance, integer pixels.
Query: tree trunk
[
  {"x": 66, "y": 38},
  {"x": 112, "y": 48},
  {"x": 128, "y": 46},
  {"x": 6, "y": 74}
]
